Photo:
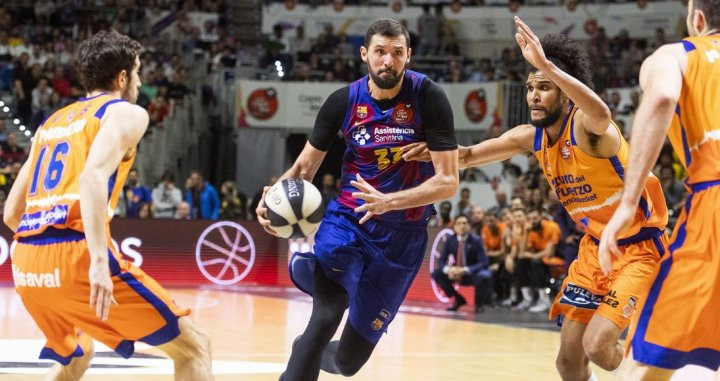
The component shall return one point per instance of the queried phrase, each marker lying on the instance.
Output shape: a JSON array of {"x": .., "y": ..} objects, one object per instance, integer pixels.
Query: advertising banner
[
  {"x": 223, "y": 253},
  {"x": 294, "y": 105}
]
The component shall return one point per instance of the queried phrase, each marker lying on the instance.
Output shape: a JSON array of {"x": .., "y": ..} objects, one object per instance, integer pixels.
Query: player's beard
[
  {"x": 551, "y": 116},
  {"x": 390, "y": 81},
  {"x": 130, "y": 93}
]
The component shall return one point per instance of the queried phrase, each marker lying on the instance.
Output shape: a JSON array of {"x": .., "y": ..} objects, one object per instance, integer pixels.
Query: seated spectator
[
  {"x": 135, "y": 194},
  {"x": 233, "y": 205},
  {"x": 464, "y": 205},
  {"x": 60, "y": 83},
  {"x": 145, "y": 211},
  {"x": 3, "y": 132},
  {"x": 673, "y": 190},
  {"x": 510, "y": 170},
  {"x": 543, "y": 237},
  {"x": 477, "y": 220},
  {"x": 328, "y": 191},
  {"x": 166, "y": 197},
  {"x": 443, "y": 219},
  {"x": 183, "y": 211},
  {"x": 501, "y": 202},
  {"x": 202, "y": 197},
  {"x": 468, "y": 266},
  {"x": 158, "y": 110},
  {"x": 493, "y": 235},
  {"x": 40, "y": 102},
  {"x": 11, "y": 151}
]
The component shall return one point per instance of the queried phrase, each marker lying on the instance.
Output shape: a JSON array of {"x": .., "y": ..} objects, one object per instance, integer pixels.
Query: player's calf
[
  {"x": 190, "y": 352},
  {"x": 74, "y": 370}
]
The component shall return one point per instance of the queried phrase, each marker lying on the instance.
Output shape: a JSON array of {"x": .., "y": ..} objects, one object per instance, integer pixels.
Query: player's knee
[
  {"x": 348, "y": 366},
  {"x": 597, "y": 344},
  {"x": 566, "y": 363},
  {"x": 192, "y": 344}
]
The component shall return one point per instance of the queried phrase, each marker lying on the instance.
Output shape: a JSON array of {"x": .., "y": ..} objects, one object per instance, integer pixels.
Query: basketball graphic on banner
[
  {"x": 225, "y": 253},
  {"x": 262, "y": 104},
  {"x": 476, "y": 105},
  {"x": 434, "y": 255}
]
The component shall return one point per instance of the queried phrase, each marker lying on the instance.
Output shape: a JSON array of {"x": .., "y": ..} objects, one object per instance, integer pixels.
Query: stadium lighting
[
  {"x": 22, "y": 127},
  {"x": 281, "y": 74},
  {"x": 2, "y": 103},
  {"x": 27, "y": 133},
  {"x": 278, "y": 64},
  {"x": 16, "y": 121},
  {"x": 6, "y": 109}
]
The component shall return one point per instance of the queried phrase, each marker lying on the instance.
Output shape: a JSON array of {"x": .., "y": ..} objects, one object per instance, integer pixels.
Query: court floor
[{"x": 252, "y": 336}]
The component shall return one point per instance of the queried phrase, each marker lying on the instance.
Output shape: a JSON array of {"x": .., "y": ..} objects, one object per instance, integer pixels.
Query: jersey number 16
[{"x": 53, "y": 172}]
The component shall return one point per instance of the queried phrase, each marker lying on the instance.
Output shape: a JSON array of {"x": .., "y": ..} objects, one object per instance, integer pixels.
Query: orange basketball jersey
[
  {"x": 60, "y": 150},
  {"x": 589, "y": 188},
  {"x": 695, "y": 131}
]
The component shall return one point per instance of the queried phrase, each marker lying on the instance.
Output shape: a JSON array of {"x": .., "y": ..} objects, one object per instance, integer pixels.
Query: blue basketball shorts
[{"x": 375, "y": 263}]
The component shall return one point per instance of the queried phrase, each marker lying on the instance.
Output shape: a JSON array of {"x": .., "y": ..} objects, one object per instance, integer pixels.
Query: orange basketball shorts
[
  {"x": 680, "y": 322},
  {"x": 50, "y": 271},
  {"x": 587, "y": 291}
]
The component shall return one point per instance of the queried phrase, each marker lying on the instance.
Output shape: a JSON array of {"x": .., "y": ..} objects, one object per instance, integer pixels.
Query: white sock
[
  {"x": 527, "y": 294},
  {"x": 544, "y": 297}
]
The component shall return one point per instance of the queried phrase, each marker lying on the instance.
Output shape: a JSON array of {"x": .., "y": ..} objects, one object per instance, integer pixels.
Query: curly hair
[{"x": 568, "y": 55}]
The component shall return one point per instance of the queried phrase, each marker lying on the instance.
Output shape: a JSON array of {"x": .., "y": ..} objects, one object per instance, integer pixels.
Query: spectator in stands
[
  {"x": 145, "y": 211},
  {"x": 12, "y": 175},
  {"x": 158, "y": 109},
  {"x": 673, "y": 190},
  {"x": 510, "y": 170},
  {"x": 543, "y": 237},
  {"x": 135, "y": 194},
  {"x": 3, "y": 132},
  {"x": 11, "y": 151},
  {"x": 166, "y": 197},
  {"x": 328, "y": 191},
  {"x": 176, "y": 89},
  {"x": 443, "y": 219},
  {"x": 40, "y": 103},
  {"x": 300, "y": 46},
  {"x": 515, "y": 240},
  {"x": 500, "y": 202},
  {"x": 183, "y": 211},
  {"x": 429, "y": 29},
  {"x": 233, "y": 205},
  {"x": 493, "y": 235},
  {"x": 477, "y": 220},
  {"x": 469, "y": 266},
  {"x": 464, "y": 205},
  {"x": 202, "y": 197},
  {"x": 60, "y": 83}
]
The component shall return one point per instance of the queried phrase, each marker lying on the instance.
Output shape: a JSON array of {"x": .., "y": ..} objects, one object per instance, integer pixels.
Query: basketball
[{"x": 294, "y": 208}]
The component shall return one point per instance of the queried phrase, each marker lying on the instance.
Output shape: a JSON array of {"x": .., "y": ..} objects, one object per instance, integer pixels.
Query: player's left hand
[
  {"x": 621, "y": 220},
  {"x": 530, "y": 45},
  {"x": 376, "y": 202},
  {"x": 416, "y": 152}
]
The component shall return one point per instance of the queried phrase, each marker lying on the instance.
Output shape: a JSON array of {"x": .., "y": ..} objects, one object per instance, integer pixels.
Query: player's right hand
[
  {"x": 101, "y": 288},
  {"x": 261, "y": 212},
  {"x": 415, "y": 152}
]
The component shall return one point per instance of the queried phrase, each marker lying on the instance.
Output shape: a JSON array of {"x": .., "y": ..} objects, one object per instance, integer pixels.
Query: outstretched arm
[
  {"x": 661, "y": 79},
  {"x": 594, "y": 115}
]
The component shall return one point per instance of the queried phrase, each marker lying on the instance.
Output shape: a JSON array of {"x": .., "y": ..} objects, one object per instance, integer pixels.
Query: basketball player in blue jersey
[{"x": 372, "y": 239}]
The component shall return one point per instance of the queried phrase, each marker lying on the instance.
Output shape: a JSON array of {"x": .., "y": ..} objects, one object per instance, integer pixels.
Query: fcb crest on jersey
[{"x": 361, "y": 112}]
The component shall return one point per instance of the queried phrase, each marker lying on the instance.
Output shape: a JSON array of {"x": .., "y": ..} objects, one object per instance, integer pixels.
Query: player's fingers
[
  {"x": 106, "y": 305},
  {"x": 409, "y": 147},
  {"x": 269, "y": 230},
  {"x": 361, "y": 208},
  {"x": 100, "y": 302},
  {"x": 520, "y": 40},
  {"x": 366, "y": 217},
  {"x": 93, "y": 293}
]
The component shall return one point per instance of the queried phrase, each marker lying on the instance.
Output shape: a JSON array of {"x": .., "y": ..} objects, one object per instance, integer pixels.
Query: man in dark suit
[{"x": 468, "y": 266}]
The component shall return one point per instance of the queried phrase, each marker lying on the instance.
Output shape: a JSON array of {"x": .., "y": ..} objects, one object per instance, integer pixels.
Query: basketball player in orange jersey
[
  {"x": 678, "y": 324},
  {"x": 583, "y": 156},
  {"x": 71, "y": 280}
]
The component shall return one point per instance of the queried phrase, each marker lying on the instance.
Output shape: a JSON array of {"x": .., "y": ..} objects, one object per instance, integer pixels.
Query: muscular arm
[
  {"x": 15, "y": 202},
  {"x": 121, "y": 128},
  {"x": 661, "y": 80},
  {"x": 439, "y": 187},
  {"x": 594, "y": 115},
  {"x": 514, "y": 141}
]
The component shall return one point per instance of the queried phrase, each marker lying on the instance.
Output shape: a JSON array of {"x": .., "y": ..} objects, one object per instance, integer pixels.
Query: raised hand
[{"x": 530, "y": 45}]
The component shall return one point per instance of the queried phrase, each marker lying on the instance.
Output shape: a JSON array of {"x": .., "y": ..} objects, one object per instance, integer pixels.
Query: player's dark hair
[
  {"x": 569, "y": 56},
  {"x": 711, "y": 9},
  {"x": 101, "y": 57},
  {"x": 386, "y": 28}
]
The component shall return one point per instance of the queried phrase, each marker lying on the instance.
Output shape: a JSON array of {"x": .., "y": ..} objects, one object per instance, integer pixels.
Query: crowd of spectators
[{"x": 38, "y": 40}]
